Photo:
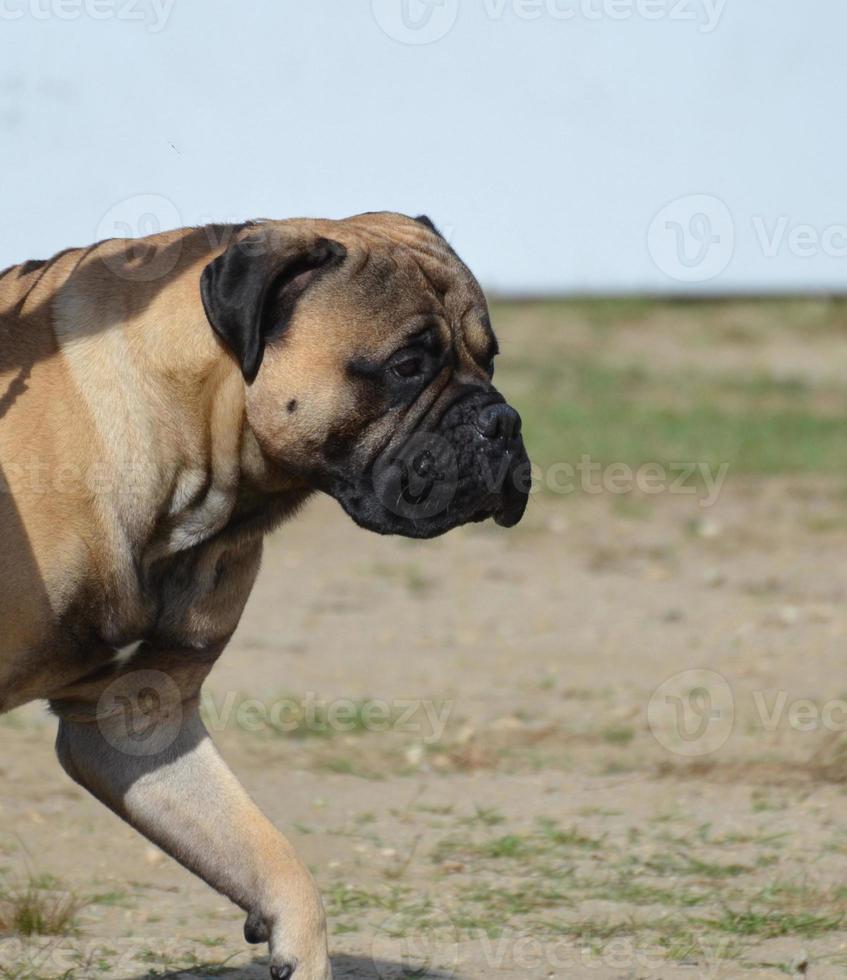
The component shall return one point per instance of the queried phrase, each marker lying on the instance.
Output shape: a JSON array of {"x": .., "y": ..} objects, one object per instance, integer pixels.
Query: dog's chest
[{"x": 189, "y": 600}]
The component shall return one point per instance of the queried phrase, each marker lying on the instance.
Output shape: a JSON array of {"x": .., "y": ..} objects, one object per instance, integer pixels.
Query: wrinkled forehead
[{"x": 400, "y": 277}]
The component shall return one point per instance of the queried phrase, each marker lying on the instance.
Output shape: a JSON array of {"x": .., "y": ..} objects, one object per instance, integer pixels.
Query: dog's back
[
  {"x": 83, "y": 340},
  {"x": 33, "y": 389}
]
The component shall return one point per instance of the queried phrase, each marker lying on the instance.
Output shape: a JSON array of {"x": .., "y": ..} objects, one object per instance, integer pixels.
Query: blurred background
[{"x": 611, "y": 742}]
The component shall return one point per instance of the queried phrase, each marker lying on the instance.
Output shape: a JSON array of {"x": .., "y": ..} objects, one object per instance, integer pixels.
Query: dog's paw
[
  {"x": 314, "y": 966},
  {"x": 294, "y": 926},
  {"x": 292, "y": 969},
  {"x": 296, "y": 963}
]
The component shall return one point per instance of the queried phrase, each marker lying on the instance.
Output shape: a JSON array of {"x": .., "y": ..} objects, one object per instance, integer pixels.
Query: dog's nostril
[
  {"x": 424, "y": 464},
  {"x": 499, "y": 421}
]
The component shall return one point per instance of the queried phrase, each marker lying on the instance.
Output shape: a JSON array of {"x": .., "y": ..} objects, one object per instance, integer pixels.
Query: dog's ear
[
  {"x": 427, "y": 222},
  {"x": 251, "y": 290}
]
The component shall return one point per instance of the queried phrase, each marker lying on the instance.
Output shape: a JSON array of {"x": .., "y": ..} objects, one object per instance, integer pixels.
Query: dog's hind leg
[{"x": 169, "y": 782}]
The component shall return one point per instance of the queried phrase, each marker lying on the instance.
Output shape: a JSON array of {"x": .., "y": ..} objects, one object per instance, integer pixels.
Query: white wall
[{"x": 546, "y": 136}]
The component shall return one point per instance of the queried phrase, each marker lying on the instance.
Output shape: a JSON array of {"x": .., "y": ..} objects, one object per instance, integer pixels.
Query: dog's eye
[{"x": 408, "y": 367}]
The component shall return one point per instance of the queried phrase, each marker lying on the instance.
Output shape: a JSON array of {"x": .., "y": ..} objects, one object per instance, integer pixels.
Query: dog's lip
[
  {"x": 430, "y": 421},
  {"x": 503, "y": 518},
  {"x": 511, "y": 510}
]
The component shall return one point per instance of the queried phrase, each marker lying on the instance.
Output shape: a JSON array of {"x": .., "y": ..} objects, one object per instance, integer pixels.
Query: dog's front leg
[{"x": 180, "y": 794}]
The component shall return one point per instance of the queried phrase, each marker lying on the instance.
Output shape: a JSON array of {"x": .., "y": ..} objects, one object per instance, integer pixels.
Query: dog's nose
[{"x": 499, "y": 421}]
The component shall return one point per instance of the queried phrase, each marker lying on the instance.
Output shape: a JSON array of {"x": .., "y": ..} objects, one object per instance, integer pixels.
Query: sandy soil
[{"x": 572, "y": 819}]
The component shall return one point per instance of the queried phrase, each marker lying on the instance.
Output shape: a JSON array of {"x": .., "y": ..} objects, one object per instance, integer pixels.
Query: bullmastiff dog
[{"x": 165, "y": 402}]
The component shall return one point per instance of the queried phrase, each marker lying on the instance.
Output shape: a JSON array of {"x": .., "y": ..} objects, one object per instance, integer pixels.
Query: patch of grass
[
  {"x": 594, "y": 929},
  {"x": 549, "y": 840},
  {"x": 576, "y": 399},
  {"x": 346, "y": 898},
  {"x": 586, "y": 408},
  {"x": 571, "y": 838},
  {"x": 618, "y": 734},
  {"x": 627, "y": 889},
  {"x": 509, "y": 846},
  {"x": 119, "y": 899},
  {"x": 402, "y": 911},
  {"x": 525, "y": 898},
  {"x": 770, "y": 924},
  {"x": 486, "y": 816},
  {"x": 184, "y": 962},
  {"x": 410, "y": 575},
  {"x": 689, "y": 866},
  {"x": 32, "y": 909}
]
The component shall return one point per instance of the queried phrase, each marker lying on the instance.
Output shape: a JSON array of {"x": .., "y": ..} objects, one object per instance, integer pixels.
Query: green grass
[
  {"x": 771, "y": 924},
  {"x": 576, "y": 400},
  {"x": 35, "y": 909},
  {"x": 549, "y": 840}
]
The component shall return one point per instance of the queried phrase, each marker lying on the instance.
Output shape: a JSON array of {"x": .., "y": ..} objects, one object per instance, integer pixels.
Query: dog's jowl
[{"x": 166, "y": 402}]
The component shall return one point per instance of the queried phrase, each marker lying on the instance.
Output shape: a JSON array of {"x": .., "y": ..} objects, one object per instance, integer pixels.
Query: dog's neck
[
  {"x": 267, "y": 494},
  {"x": 223, "y": 484}
]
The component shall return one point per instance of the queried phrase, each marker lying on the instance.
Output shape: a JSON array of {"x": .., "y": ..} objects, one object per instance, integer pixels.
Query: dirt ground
[
  {"x": 571, "y": 819},
  {"x": 610, "y": 743}
]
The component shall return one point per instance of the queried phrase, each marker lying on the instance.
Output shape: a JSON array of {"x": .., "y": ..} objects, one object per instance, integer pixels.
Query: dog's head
[{"x": 368, "y": 355}]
